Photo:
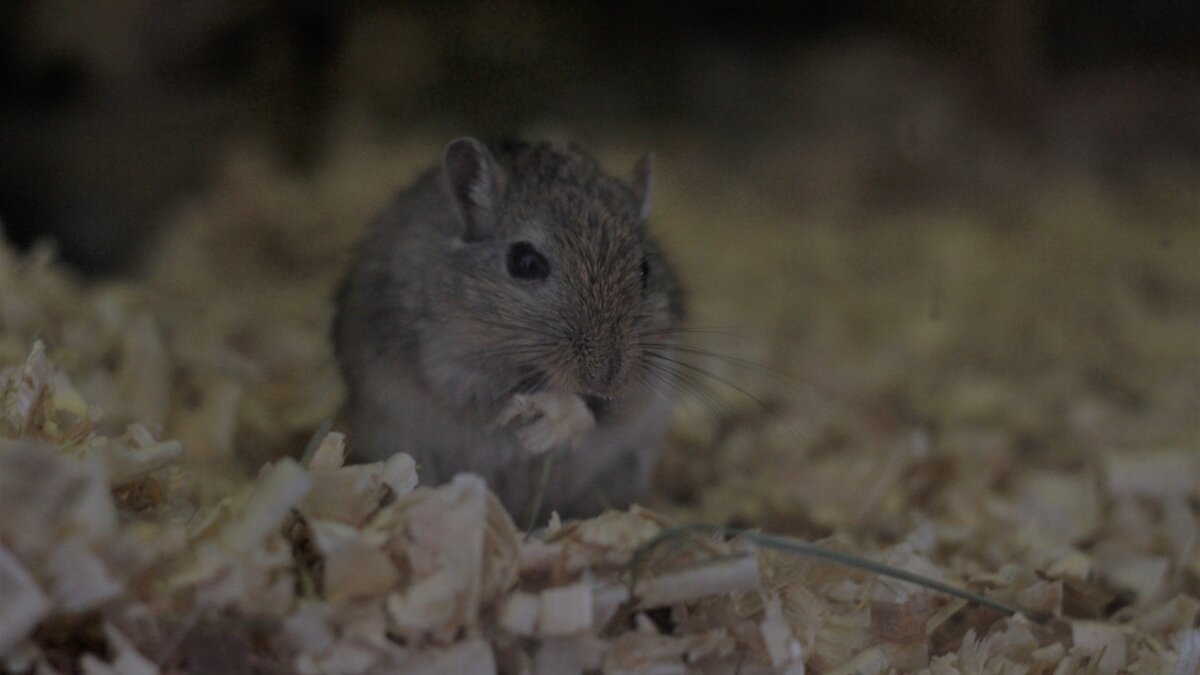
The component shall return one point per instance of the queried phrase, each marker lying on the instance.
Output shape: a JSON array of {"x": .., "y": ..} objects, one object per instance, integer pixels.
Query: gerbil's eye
[
  {"x": 524, "y": 262},
  {"x": 645, "y": 273}
]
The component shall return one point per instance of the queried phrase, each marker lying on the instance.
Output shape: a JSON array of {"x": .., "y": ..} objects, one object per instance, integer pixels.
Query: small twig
[
  {"x": 314, "y": 443},
  {"x": 803, "y": 548},
  {"x": 535, "y": 509}
]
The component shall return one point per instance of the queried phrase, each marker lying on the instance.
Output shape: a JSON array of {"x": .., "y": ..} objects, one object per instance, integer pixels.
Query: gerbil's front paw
[{"x": 546, "y": 420}]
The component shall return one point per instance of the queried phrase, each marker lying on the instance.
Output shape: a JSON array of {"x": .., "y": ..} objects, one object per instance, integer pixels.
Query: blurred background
[{"x": 111, "y": 113}]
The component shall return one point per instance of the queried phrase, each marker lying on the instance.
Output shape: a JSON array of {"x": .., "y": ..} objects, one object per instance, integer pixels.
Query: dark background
[{"x": 112, "y": 112}]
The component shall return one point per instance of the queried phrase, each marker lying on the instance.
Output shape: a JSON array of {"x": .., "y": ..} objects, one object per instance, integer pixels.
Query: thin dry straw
[
  {"x": 803, "y": 548},
  {"x": 315, "y": 442},
  {"x": 535, "y": 509}
]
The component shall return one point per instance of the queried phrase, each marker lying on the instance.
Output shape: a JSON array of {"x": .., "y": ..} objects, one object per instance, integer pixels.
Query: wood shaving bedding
[{"x": 132, "y": 541}]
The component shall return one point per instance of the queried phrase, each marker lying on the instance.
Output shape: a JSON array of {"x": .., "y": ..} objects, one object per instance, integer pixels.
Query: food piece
[{"x": 547, "y": 420}]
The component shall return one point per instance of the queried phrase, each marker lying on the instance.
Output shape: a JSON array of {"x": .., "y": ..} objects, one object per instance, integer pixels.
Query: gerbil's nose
[
  {"x": 604, "y": 370},
  {"x": 612, "y": 368}
]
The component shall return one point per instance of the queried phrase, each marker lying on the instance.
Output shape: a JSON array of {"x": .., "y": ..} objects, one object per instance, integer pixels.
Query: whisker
[
  {"x": 531, "y": 382},
  {"x": 657, "y": 383},
  {"x": 690, "y": 384},
  {"x": 505, "y": 350},
  {"x": 709, "y": 374},
  {"x": 514, "y": 324},
  {"x": 660, "y": 385},
  {"x": 693, "y": 330},
  {"x": 759, "y": 368}
]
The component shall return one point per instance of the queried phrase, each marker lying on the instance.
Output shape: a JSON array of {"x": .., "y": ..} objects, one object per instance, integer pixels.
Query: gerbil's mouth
[
  {"x": 598, "y": 405},
  {"x": 534, "y": 380}
]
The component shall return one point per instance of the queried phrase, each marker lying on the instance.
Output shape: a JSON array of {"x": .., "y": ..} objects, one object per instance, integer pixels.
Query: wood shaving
[{"x": 25, "y": 604}]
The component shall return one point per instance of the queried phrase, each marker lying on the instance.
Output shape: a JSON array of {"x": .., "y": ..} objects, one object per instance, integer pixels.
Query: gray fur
[{"x": 434, "y": 335}]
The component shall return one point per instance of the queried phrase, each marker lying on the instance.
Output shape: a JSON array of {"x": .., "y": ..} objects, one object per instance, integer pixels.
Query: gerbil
[{"x": 511, "y": 272}]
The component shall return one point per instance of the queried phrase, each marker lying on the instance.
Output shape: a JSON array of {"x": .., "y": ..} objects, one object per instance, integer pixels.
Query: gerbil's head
[{"x": 552, "y": 281}]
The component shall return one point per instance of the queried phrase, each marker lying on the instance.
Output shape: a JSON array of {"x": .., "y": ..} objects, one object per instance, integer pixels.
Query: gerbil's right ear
[{"x": 474, "y": 184}]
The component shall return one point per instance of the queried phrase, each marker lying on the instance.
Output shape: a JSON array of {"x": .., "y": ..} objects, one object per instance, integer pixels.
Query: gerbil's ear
[
  {"x": 474, "y": 184},
  {"x": 643, "y": 184}
]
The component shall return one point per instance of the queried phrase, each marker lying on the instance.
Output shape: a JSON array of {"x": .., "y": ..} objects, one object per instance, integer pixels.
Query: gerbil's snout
[
  {"x": 603, "y": 371},
  {"x": 606, "y": 371},
  {"x": 601, "y": 365}
]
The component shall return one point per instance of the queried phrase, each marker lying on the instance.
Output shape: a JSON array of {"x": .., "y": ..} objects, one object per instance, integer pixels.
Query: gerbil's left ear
[
  {"x": 475, "y": 185},
  {"x": 642, "y": 183}
]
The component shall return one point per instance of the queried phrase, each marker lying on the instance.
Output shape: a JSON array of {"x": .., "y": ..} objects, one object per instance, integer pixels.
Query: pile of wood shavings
[
  {"x": 124, "y": 549},
  {"x": 319, "y": 569}
]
